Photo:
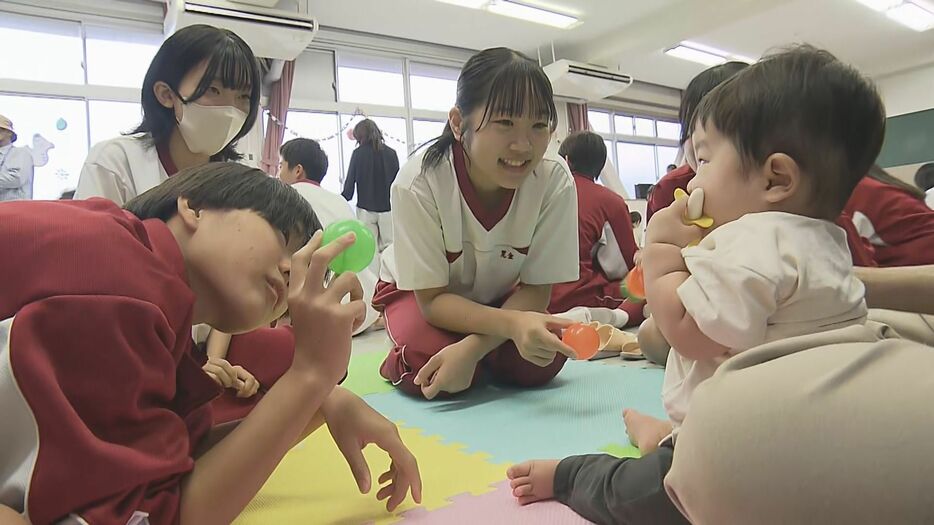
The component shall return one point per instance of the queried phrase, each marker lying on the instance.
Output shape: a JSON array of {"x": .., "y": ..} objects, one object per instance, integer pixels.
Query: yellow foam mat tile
[{"x": 313, "y": 484}]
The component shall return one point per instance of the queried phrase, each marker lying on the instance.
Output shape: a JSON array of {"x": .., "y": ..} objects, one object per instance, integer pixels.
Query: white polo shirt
[
  {"x": 122, "y": 168},
  {"x": 763, "y": 277},
  {"x": 444, "y": 237},
  {"x": 330, "y": 208}
]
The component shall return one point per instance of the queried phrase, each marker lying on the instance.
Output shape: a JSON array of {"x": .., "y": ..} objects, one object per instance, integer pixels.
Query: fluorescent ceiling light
[
  {"x": 912, "y": 15},
  {"x": 742, "y": 58},
  {"x": 531, "y": 14},
  {"x": 880, "y": 5},
  {"x": 695, "y": 55},
  {"x": 473, "y": 4},
  {"x": 704, "y": 54}
]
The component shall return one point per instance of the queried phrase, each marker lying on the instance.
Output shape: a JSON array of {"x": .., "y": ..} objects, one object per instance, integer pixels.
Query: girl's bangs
[
  {"x": 519, "y": 91},
  {"x": 230, "y": 65}
]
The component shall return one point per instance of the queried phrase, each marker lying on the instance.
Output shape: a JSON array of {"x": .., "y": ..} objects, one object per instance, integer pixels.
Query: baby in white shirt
[{"x": 779, "y": 147}]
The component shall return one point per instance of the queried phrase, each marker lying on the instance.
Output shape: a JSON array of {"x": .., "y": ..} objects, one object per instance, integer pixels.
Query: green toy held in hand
[{"x": 358, "y": 255}]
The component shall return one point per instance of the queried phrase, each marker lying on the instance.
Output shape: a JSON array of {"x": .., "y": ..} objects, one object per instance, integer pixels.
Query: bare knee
[{"x": 653, "y": 343}]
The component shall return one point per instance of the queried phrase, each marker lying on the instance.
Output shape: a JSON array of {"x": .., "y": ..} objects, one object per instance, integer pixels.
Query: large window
[
  {"x": 426, "y": 130},
  {"x": 370, "y": 80},
  {"x": 433, "y": 87},
  {"x": 78, "y": 65},
  {"x": 636, "y": 165},
  {"x": 41, "y": 49},
  {"x": 643, "y": 146},
  {"x": 56, "y": 132},
  {"x": 599, "y": 121},
  {"x": 117, "y": 57},
  {"x": 111, "y": 119}
]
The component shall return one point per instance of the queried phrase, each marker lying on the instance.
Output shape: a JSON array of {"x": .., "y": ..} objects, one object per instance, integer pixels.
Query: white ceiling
[{"x": 631, "y": 34}]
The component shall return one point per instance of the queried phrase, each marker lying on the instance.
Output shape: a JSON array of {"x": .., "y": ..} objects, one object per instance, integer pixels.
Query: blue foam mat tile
[{"x": 578, "y": 413}]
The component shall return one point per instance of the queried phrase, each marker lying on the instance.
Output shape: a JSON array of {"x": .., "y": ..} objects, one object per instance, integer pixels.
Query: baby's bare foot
[
  {"x": 533, "y": 480},
  {"x": 645, "y": 431}
]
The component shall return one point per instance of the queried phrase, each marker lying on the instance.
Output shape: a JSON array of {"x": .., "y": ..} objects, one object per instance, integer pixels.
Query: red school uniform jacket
[
  {"x": 664, "y": 194},
  {"x": 102, "y": 403},
  {"x": 597, "y": 208},
  {"x": 899, "y": 226}
]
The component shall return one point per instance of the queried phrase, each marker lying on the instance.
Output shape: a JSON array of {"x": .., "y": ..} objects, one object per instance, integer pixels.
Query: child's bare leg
[
  {"x": 645, "y": 431},
  {"x": 533, "y": 480}
]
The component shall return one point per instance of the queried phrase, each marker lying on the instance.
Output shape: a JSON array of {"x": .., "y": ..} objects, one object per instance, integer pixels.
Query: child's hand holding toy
[{"x": 633, "y": 286}]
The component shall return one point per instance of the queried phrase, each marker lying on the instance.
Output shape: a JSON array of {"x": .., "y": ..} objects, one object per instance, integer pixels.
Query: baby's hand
[{"x": 667, "y": 227}]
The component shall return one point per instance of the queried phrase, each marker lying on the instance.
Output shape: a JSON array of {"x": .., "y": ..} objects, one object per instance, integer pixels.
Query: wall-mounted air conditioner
[
  {"x": 587, "y": 82},
  {"x": 271, "y": 33}
]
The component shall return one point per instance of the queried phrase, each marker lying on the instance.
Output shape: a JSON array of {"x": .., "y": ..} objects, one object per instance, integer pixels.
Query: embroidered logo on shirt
[{"x": 506, "y": 254}]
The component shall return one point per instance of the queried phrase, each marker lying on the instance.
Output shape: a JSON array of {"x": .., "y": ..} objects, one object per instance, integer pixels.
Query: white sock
[{"x": 611, "y": 316}]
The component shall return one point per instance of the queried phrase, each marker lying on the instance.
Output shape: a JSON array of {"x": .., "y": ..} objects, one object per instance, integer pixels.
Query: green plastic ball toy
[{"x": 358, "y": 255}]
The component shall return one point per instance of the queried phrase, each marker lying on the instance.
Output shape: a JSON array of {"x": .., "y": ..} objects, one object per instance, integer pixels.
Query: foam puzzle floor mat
[{"x": 464, "y": 445}]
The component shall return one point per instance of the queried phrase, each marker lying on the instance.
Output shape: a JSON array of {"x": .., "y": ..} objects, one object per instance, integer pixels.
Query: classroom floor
[{"x": 463, "y": 446}]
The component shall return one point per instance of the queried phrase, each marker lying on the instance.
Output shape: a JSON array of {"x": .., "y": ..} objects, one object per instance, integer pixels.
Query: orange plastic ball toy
[
  {"x": 583, "y": 339},
  {"x": 633, "y": 286}
]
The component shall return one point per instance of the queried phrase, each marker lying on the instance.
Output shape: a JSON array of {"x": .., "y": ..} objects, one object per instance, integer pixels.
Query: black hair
[
  {"x": 230, "y": 61},
  {"x": 367, "y": 133},
  {"x": 635, "y": 217},
  {"x": 503, "y": 81},
  {"x": 671, "y": 167},
  {"x": 805, "y": 103},
  {"x": 699, "y": 86},
  {"x": 924, "y": 177},
  {"x": 877, "y": 173},
  {"x": 230, "y": 186},
  {"x": 308, "y": 154},
  {"x": 585, "y": 152}
]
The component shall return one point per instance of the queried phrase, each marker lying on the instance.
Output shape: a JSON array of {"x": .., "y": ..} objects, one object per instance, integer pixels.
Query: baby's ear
[{"x": 782, "y": 178}]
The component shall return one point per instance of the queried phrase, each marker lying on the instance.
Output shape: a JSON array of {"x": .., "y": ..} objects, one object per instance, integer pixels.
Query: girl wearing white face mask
[{"x": 199, "y": 97}]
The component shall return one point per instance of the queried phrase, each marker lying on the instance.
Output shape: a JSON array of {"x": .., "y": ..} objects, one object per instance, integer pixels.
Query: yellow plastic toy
[{"x": 633, "y": 286}]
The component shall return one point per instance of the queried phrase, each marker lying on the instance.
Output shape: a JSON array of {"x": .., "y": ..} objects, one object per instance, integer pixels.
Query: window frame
[{"x": 617, "y": 136}]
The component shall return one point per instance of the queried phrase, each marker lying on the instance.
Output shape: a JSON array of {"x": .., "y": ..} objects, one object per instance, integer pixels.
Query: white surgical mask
[{"x": 208, "y": 129}]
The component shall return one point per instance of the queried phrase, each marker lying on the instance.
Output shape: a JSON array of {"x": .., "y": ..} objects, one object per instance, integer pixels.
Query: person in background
[
  {"x": 606, "y": 244},
  {"x": 663, "y": 193},
  {"x": 636, "y": 219},
  {"x": 16, "y": 165},
  {"x": 924, "y": 178},
  {"x": 303, "y": 165},
  {"x": 670, "y": 168},
  {"x": 373, "y": 168},
  {"x": 891, "y": 216},
  {"x": 199, "y": 97}
]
